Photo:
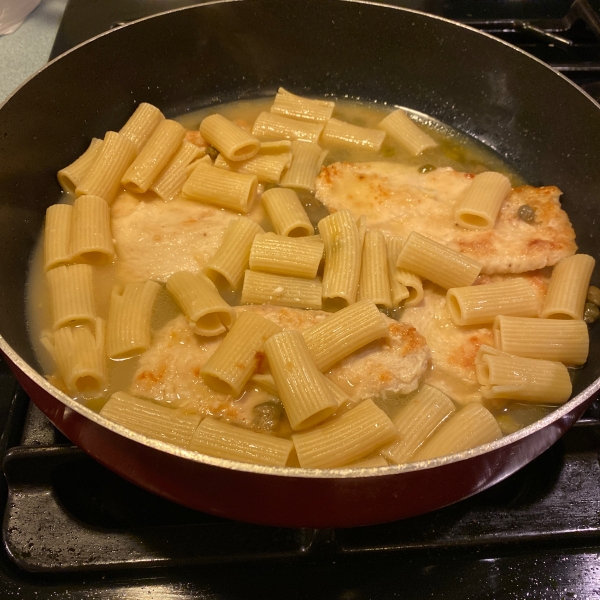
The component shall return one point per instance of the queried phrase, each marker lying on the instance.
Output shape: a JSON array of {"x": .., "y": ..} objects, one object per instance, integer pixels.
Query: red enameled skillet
[{"x": 538, "y": 121}]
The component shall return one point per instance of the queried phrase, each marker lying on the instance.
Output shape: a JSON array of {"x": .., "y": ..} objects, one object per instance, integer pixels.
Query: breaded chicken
[
  {"x": 399, "y": 199},
  {"x": 169, "y": 372},
  {"x": 453, "y": 348}
]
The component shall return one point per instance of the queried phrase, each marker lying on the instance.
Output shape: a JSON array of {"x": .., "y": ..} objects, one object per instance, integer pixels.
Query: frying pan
[{"x": 540, "y": 123}]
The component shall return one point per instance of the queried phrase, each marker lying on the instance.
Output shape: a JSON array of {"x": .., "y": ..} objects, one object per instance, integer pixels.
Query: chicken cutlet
[
  {"x": 154, "y": 238},
  {"x": 169, "y": 371},
  {"x": 399, "y": 199},
  {"x": 453, "y": 347}
]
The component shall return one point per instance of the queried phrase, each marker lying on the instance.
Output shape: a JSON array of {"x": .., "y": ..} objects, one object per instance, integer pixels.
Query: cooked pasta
[
  {"x": 479, "y": 207},
  {"x": 104, "y": 177},
  {"x": 472, "y": 426},
  {"x": 72, "y": 175},
  {"x": 223, "y": 440},
  {"x": 282, "y": 255},
  {"x": 568, "y": 288},
  {"x": 171, "y": 179},
  {"x": 151, "y": 419},
  {"x": 286, "y": 213},
  {"x": 345, "y": 439},
  {"x": 278, "y": 290},
  {"x": 338, "y": 133},
  {"x": 236, "y": 359},
  {"x": 307, "y": 159},
  {"x": 201, "y": 303},
  {"x": 344, "y": 332},
  {"x": 305, "y": 394},
  {"x": 290, "y": 105},
  {"x": 342, "y": 257},
  {"x": 416, "y": 421},
  {"x": 72, "y": 295},
  {"x": 231, "y": 190},
  {"x": 229, "y": 139},
  {"x": 154, "y": 156},
  {"x": 549, "y": 339},
  {"x": 270, "y": 126},
  {"x": 141, "y": 125},
  {"x": 399, "y": 291},
  {"x": 91, "y": 238},
  {"x": 441, "y": 265},
  {"x": 129, "y": 315},
  {"x": 57, "y": 235},
  {"x": 399, "y": 126},
  {"x": 525, "y": 379},
  {"x": 231, "y": 259},
  {"x": 374, "y": 281},
  {"x": 478, "y": 304}
]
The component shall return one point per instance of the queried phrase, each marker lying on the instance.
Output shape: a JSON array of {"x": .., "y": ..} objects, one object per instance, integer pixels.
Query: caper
[
  {"x": 426, "y": 168},
  {"x": 212, "y": 152},
  {"x": 591, "y": 313},
  {"x": 593, "y": 295},
  {"x": 268, "y": 414},
  {"x": 526, "y": 213},
  {"x": 388, "y": 152}
]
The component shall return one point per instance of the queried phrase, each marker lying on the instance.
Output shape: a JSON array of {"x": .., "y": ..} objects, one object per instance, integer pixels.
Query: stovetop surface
[{"x": 72, "y": 529}]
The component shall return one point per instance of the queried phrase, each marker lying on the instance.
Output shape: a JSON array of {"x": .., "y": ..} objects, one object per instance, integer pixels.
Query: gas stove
[{"x": 73, "y": 529}]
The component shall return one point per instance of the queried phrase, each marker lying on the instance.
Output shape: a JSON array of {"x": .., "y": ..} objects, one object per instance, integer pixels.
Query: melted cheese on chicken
[
  {"x": 169, "y": 372},
  {"x": 453, "y": 348},
  {"x": 399, "y": 199}
]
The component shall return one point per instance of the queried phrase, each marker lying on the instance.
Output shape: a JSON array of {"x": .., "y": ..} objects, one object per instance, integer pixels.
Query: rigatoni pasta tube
[
  {"x": 400, "y": 127},
  {"x": 438, "y": 263},
  {"x": 478, "y": 304},
  {"x": 154, "y": 156},
  {"x": 223, "y": 440},
  {"x": 286, "y": 213},
  {"x": 235, "y": 143},
  {"x": 470, "y": 427},
  {"x": 339, "y": 133},
  {"x": 230, "y": 261},
  {"x": 346, "y": 439},
  {"x": 80, "y": 357},
  {"x": 416, "y": 421},
  {"x": 307, "y": 160},
  {"x": 278, "y": 290},
  {"x": 57, "y": 235},
  {"x": 71, "y": 176},
  {"x": 568, "y": 288},
  {"x": 151, "y": 419},
  {"x": 306, "y": 397},
  {"x": 141, "y": 125},
  {"x": 240, "y": 353},
  {"x": 525, "y": 379},
  {"x": 342, "y": 257},
  {"x": 413, "y": 284},
  {"x": 200, "y": 302},
  {"x": 104, "y": 177},
  {"x": 72, "y": 294},
  {"x": 374, "y": 276},
  {"x": 344, "y": 332},
  {"x": 548, "y": 339},
  {"x": 91, "y": 238},
  {"x": 171, "y": 179},
  {"x": 399, "y": 292},
  {"x": 267, "y": 167},
  {"x": 231, "y": 190},
  {"x": 269, "y": 126},
  {"x": 297, "y": 107},
  {"x": 479, "y": 207},
  {"x": 129, "y": 317},
  {"x": 282, "y": 255}
]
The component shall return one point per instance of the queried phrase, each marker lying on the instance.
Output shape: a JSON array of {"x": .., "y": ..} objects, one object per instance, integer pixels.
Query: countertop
[{"x": 25, "y": 51}]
